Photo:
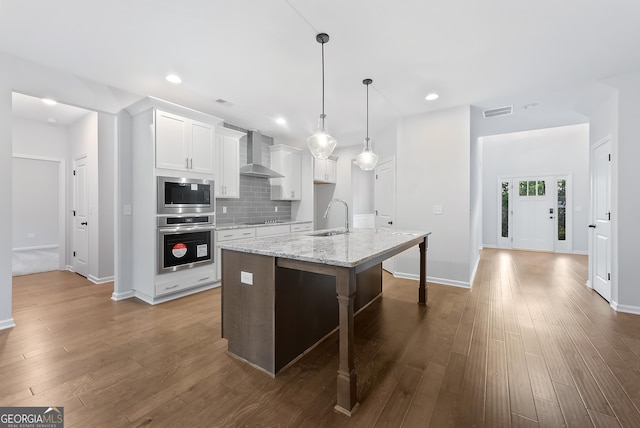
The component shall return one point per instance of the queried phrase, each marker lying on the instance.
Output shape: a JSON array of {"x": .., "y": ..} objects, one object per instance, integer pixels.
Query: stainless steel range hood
[{"x": 254, "y": 167}]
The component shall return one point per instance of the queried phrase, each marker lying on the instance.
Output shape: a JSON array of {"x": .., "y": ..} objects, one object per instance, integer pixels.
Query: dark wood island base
[{"x": 274, "y": 309}]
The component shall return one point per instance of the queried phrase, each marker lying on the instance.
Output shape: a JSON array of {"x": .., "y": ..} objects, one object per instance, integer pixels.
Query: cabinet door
[
  {"x": 172, "y": 150},
  {"x": 202, "y": 147},
  {"x": 227, "y": 167},
  {"x": 319, "y": 170},
  {"x": 295, "y": 180}
]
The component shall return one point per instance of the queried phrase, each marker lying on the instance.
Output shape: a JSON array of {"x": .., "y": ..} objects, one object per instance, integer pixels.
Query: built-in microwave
[{"x": 185, "y": 196}]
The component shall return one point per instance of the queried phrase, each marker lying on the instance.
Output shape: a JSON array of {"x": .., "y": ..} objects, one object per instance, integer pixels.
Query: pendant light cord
[
  {"x": 322, "y": 84},
  {"x": 367, "y": 82}
]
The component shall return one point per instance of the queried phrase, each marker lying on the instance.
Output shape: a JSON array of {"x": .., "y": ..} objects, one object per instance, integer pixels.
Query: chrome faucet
[{"x": 346, "y": 212}]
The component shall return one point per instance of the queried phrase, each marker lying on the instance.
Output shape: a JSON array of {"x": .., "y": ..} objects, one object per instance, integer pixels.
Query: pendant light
[
  {"x": 367, "y": 160},
  {"x": 321, "y": 144}
]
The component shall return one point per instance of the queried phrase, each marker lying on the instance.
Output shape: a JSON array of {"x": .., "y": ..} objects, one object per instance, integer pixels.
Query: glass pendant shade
[
  {"x": 367, "y": 160},
  {"x": 321, "y": 144}
]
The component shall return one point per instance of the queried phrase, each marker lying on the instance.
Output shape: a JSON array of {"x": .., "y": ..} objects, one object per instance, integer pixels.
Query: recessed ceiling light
[
  {"x": 432, "y": 96},
  {"x": 49, "y": 101},
  {"x": 52, "y": 120},
  {"x": 174, "y": 78},
  {"x": 281, "y": 121},
  {"x": 530, "y": 106}
]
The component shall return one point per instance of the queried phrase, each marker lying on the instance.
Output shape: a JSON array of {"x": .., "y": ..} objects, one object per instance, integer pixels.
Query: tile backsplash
[{"x": 254, "y": 203}]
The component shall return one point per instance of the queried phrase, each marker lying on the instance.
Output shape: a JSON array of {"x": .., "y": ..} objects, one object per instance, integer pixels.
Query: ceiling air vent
[
  {"x": 500, "y": 111},
  {"x": 224, "y": 102}
]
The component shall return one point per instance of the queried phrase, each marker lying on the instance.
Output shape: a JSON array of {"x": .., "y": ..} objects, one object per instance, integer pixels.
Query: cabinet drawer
[
  {"x": 230, "y": 235},
  {"x": 302, "y": 227},
  {"x": 183, "y": 283},
  {"x": 273, "y": 230}
]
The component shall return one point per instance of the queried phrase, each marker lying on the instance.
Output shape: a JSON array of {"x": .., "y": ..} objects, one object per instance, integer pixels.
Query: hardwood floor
[{"x": 528, "y": 345}]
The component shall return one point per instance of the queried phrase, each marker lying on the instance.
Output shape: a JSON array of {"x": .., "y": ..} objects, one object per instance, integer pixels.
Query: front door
[
  {"x": 385, "y": 200},
  {"x": 81, "y": 218},
  {"x": 534, "y": 213},
  {"x": 601, "y": 188}
]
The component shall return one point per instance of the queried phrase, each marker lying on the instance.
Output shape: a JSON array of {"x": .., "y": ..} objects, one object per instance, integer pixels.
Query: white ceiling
[
  {"x": 33, "y": 108},
  {"x": 262, "y": 56}
]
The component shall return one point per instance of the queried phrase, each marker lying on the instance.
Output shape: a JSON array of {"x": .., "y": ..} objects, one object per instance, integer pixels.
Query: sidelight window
[
  {"x": 562, "y": 210},
  {"x": 505, "y": 209}
]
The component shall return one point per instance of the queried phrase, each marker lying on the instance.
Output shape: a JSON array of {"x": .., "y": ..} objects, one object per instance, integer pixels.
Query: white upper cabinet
[
  {"x": 183, "y": 144},
  {"x": 325, "y": 170},
  {"x": 286, "y": 161},
  {"x": 227, "y": 162}
]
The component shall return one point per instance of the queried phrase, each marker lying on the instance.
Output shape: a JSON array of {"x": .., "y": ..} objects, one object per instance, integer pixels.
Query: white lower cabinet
[
  {"x": 301, "y": 227},
  {"x": 279, "y": 229}
]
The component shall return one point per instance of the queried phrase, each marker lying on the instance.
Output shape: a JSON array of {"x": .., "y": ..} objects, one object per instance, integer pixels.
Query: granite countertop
[
  {"x": 247, "y": 225},
  {"x": 347, "y": 249}
]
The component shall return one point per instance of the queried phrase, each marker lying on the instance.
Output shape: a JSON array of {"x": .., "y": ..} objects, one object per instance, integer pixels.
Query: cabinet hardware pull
[
  {"x": 187, "y": 161},
  {"x": 228, "y": 236},
  {"x": 204, "y": 279},
  {"x": 191, "y": 163},
  {"x": 173, "y": 286}
]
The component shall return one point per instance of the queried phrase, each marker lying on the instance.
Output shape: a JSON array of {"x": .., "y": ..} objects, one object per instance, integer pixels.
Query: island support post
[{"x": 347, "y": 394}]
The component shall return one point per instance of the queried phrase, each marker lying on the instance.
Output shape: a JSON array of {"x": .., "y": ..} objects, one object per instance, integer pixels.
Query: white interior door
[
  {"x": 384, "y": 201},
  {"x": 601, "y": 176},
  {"x": 534, "y": 213},
  {"x": 81, "y": 218}
]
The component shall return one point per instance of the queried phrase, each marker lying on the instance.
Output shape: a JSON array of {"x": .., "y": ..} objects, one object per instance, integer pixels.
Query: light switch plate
[
  {"x": 437, "y": 209},
  {"x": 246, "y": 277}
]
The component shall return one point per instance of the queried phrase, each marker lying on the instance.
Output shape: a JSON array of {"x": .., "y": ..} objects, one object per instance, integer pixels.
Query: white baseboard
[
  {"x": 100, "y": 280},
  {"x": 122, "y": 296},
  {"x": 8, "y": 323},
  {"x": 432, "y": 279},
  {"x": 588, "y": 283},
  {"x": 156, "y": 300},
  {"x": 625, "y": 308}
]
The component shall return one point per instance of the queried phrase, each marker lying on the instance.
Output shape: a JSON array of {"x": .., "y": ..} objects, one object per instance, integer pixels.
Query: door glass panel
[
  {"x": 541, "y": 188},
  {"x": 562, "y": 210},
  {"x": 505, "y": 209},
  {"x": 523, "y": 188},
  {"x": 532, "y": 188}
]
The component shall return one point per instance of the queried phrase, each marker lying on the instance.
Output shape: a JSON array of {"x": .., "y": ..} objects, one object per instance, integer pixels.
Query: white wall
[
  {"x": 625, "y": 198},
  {"x": 433, "y": 168},
  {"x": 6, "y": 320},
  {"x": 107, "y": 142},
  {"x": 554, "y": 151},
  {"x": 33, "y": 79}
]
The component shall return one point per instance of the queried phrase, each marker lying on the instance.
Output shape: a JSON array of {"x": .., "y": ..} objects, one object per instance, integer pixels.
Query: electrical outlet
[
  {"x": 276, "y": 209},
  {"x": 224, "y": 210},
  {"x": 246, "y": 277},
  {"x": 31, "y": 235},
  {"x": 127, "y": 209},
  {"x": 437, "y": 209}
]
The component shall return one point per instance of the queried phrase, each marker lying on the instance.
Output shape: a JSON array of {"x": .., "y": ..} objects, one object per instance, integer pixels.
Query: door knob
[{"x": 84, "y": 223}]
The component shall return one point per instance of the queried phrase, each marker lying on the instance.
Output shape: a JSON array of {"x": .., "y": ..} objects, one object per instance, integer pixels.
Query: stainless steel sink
[{"x": 328, "y": 232}]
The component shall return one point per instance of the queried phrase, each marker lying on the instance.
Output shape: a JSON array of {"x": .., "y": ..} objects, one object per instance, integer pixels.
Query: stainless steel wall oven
[{"x": 185, "y": 242}]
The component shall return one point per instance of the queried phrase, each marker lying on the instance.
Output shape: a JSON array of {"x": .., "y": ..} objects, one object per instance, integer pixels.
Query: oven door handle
[{"x": 194, "y": 228}]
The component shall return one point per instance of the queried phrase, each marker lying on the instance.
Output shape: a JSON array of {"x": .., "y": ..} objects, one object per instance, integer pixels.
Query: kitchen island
[{"x": 279, "y": 294}]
